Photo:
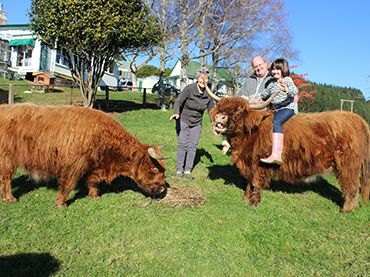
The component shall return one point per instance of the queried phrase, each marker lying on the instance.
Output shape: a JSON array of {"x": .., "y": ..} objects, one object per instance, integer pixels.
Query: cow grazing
[
  {"x": 70, "y": 143},
  {"x": 313, "y": 143}
]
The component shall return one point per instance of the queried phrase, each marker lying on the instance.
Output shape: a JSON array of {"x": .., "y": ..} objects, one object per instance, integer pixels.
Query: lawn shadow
[
  {"x": 119, "y": 106},
  {"x": 231, "y": 176},
  {"x": 319, "y": 186},
  {"x": 23, "y": 185},
  {"x": 28, "y": 264},
  {"x": 202, "y": 153},
  {"x": 229, "y": 173},
  {"x": 118, "y": 185}
]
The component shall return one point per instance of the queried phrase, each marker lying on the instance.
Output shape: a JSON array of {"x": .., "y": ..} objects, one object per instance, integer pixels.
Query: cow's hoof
[
  {"x": 349, "y": 206},
  {"x": 62, "y": 206},
  {"x": 11, "y": 199},
  {"x": 254, "y": 202},
  {"x": 94, "y": 195}
]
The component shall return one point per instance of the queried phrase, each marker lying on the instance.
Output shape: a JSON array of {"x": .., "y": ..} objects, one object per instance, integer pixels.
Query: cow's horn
[
  {"x": 264, "y": 104},
  {"x": 212, "y": 95},
  {"x": 154, "y": 154},
  {"x": 162, "y": 146}
]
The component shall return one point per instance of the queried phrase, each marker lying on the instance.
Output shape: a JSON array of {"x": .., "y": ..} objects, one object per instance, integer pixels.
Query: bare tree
[
  {"x": 144, "y": 54},
  {"x": 205, "y": 6},
  {"x": 166, "y": 13},
  {"x": 235, "y": 30}
]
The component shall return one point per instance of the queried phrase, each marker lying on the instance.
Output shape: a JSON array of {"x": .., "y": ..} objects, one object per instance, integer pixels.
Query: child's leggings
[{"x": 280, "y": 117}]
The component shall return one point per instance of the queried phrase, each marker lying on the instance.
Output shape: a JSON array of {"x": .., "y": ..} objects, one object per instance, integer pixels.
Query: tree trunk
[
  {"x": 215, "y": 58},
  {"x": 184, "y": 45}
]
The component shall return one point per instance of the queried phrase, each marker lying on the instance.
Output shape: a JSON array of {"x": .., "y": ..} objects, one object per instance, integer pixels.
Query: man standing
[{"x": 257, "y": 82}]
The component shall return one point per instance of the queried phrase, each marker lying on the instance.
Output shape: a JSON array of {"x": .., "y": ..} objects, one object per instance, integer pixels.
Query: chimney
[{"x": 3, "y": 16}]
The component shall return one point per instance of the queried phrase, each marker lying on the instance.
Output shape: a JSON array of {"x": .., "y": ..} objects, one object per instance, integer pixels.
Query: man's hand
[
  {"x": 255, "y": 101},
  {"x": 174, "y": 116}
]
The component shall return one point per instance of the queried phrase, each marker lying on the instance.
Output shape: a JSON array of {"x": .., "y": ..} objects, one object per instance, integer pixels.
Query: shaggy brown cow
[
  {"x": 313, "y": 143},
  {"x": 69, "y": 143}
]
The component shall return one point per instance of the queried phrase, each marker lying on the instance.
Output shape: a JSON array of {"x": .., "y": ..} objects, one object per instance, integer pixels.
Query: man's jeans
[{"x": 188, "y": 138}]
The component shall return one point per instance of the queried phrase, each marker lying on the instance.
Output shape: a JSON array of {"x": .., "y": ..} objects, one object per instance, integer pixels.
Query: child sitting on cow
[{"x": 282, "y": 104}]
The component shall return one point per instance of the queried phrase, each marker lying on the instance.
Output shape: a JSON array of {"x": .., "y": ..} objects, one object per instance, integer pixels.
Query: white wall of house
[
  {"x": 149, "y": 82},
  {"x": 175, "y": 75},
  {"x": 111, "y": 79},
  {"x": 20, "y": 62},
  {"x": 33, "y": 64}
]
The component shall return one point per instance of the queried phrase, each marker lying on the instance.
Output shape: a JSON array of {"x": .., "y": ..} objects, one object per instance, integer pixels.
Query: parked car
[
  {"x": 170, "y": 92},
  {"x": 121, "y": 86},
  {"x": 168, "y": 89},
  {"x": 124, "y": 85}
]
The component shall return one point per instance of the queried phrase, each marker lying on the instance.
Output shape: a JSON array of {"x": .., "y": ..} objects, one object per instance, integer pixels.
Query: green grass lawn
[{"x": 295, "y": 231}]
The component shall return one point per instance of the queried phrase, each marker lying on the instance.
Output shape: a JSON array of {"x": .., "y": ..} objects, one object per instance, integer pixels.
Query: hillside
[{"x": 328, "y": 97}]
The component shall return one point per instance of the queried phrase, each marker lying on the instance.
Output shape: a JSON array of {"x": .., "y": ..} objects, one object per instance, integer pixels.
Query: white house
[
  {"x": 148, "y": 82},
  {"x": 223, "y": 85},
  {"x": 25, "y": 55}
]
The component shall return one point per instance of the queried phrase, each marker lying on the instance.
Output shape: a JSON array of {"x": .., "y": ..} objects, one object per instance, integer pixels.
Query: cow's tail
[{"x": 365, "y": 177}]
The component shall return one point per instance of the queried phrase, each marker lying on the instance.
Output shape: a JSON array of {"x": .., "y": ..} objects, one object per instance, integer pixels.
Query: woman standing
[{"x": 188, "y": 113}]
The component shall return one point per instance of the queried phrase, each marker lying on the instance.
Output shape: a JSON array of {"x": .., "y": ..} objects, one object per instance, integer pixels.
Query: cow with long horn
[
  {"x": 73, "y": 143},
  {"x": 315, "y": 143}
]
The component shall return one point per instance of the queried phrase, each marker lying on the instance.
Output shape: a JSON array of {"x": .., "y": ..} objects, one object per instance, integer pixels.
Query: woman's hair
[
  {"x": 202, "y": 71},
  {"x": 281, "y": 64}
]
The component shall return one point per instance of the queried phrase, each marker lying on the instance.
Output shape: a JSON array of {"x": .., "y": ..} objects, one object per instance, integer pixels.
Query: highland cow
[
  {"x": 314, "y": 143},
  {"x": 70, "y": 143}
]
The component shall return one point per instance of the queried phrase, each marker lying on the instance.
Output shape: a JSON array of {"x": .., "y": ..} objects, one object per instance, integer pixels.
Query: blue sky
[{"x": 332, "y": 37}]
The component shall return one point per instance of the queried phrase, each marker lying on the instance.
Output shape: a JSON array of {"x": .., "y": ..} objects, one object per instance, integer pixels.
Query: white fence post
[{"x": 11, "y": 95}]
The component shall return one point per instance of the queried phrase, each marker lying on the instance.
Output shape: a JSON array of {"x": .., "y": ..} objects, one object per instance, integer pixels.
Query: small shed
[
  {"x": 44, "y": 81},
  {"x": 44, "y": 78}
]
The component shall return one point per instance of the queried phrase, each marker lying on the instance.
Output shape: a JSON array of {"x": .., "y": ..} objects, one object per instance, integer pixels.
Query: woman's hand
[{"x": 174, "y": 116}]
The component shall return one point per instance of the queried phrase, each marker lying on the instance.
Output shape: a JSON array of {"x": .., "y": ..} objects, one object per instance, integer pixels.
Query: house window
[
  {"x": 125, "y": 74},
  {"x": 111, "y": 68},
  {"x": 4, "y": 51},
  {"x": 61, "y": 57},
  {"x": 24, "y": 55}
]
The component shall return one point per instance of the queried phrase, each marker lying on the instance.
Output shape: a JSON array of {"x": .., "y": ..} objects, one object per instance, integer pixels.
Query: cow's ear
[
  {"x": 213, "y": 112},
  {"x": 255, "y": 119},
  {"x": 240, "y": 112}
]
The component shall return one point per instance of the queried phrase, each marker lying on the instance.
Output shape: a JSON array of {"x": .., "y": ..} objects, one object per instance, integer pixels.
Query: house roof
[
  {"x": 48, "y": 74},
  {"x": 14, "y": 26},
  {"x": 22, "y": 41}
]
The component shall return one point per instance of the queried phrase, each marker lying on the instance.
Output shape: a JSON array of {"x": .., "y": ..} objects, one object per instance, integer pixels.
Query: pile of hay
[{"x": 183, "y": 197}]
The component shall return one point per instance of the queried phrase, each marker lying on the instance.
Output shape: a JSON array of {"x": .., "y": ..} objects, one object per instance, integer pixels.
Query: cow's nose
[
  {"x": 161, "y": 189},
  {"x": 158, "y": 190},
  {"x": 221, "y": 117}
]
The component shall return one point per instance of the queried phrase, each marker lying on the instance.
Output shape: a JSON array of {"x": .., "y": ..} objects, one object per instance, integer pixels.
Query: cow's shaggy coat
[
  {"x": 69, "y": 143},
  {"x": 313, "y": 143}
]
